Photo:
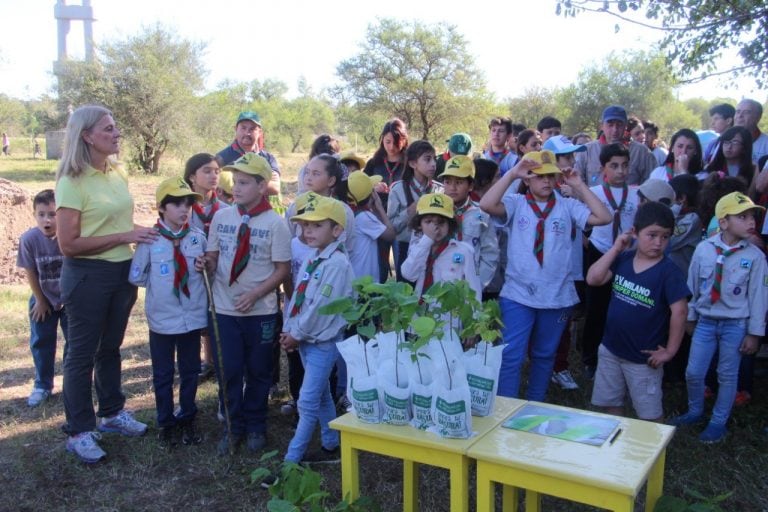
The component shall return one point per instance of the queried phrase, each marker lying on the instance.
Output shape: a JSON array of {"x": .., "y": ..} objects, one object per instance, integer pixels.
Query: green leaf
[
  {"x": 337, "y": 306},
  {"x": 278, "y": 505},
  {"x": 670, "y": 504},
  {"x": 423, "y": 326},
  {"x": 258, "y": 474}
]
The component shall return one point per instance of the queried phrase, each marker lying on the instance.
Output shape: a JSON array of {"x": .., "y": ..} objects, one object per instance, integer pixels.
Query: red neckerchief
[
  {"x": 301, "y": 289},
  {"x": 538, "y": 243},
  {"x": 719, "y": 263},
  {"x": 180, "y": 268},
  {"x": 624, "y": 141},
  {"x": 502, "y": 154},
  {"x": 391, "y": 171},
  {"x": 417, "y": 189},
  {"x": 243, "y": 251},
  {"x": 616, "y": 207},
  {"x": 458, "y": 214},
  {"x": 206, "y": 219},
  {"x": 436, "y": 250}
]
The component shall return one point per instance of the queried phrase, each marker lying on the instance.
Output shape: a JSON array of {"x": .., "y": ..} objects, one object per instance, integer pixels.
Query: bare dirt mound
[{"x": 16, "y": 217}]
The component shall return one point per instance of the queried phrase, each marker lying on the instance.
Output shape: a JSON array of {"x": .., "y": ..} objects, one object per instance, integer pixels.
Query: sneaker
[
  {"x": 256, "y": 441},
  {"x": 85, "y": 447},
  {"x": 344, "y": 405},
  {"x": 37, "y": 397},
  {"x": 268, "y": 481},
  {"x": 713, "y": 433},
  {"x": 686, "y": 419},
  {"x": 224, "y": 443},
  {"x": 288, "y": 407},
  {"x": 189, "y": 434},
  {"x": 322, "y": 456},
  {"x": 123, "y": 423},
  {"x": 168, "y": 437},
  {"x": 564, "y": 379},
  {"x": 742, "y": 398},
  {"x": 206, "y": 372}
]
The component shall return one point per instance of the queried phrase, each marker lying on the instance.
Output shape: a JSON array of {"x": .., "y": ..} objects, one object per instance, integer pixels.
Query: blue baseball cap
[
  {"x": 562, "y": 145},
  {"x": 615, "y": 113}
]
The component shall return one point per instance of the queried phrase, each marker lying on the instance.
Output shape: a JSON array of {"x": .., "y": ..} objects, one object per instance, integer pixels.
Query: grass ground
[{"x": 36, "y": 473}]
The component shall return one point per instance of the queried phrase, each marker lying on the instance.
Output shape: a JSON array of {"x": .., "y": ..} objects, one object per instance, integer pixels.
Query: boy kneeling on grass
[
  {"x": 646, "y": 314},
  {"x": 176, "y": 306},
  {"x": 324, "y": 277}
]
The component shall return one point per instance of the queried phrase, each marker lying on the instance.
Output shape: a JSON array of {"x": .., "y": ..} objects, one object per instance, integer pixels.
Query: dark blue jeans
[
  {"x": 164, "y": 349},
  {"x": 42, "y": 344},
  {"x": 98, "y": 299},
  {"x": 246, "y": 350}
]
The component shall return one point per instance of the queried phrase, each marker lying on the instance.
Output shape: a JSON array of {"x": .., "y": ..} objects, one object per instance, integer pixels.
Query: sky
[{"x": 518, "y": 45}]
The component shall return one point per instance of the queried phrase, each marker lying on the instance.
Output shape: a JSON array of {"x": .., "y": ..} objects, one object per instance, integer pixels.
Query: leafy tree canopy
[{"x": 695, "y": 32}]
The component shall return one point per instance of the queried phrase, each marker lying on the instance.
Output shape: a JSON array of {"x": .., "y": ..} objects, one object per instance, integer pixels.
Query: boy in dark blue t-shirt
[{"x": 646, "y": 315}]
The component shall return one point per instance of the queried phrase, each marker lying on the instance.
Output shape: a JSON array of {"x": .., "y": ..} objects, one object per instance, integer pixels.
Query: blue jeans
[
  {"x": 246, "y": 350},
  {"x": 541, "y": 328},
  {"x": 98, "y": 299},
  {"x": 712, "y": 334},
  {"x": 315, "y": 403},
  {"x": 42, "y": 344},
  {"x": 164, "y": 349}
]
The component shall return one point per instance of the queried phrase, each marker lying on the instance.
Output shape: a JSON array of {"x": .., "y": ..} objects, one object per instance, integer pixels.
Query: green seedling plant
[
  {"x": 299, "y": 489},
  {"x": 702, "y": 503}
]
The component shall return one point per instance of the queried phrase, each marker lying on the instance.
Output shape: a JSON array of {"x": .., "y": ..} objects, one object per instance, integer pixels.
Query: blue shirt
[{"x": 638, "y": 314}]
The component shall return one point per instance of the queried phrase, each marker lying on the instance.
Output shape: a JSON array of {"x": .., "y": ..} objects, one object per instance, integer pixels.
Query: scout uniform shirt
[
  {"x": 329, "y": 281},
  {"x": 153, "y": 268},
  {"x": 270, "y": 242},
  {"x": 477, "y": 231},
  {"x": 547, "y": 286},
  {"x": 602, "y": 236},
  {"x": 744, "y": 289},
  {"x": 456, "y": 262},
  {"x": 397, "y": 207}
]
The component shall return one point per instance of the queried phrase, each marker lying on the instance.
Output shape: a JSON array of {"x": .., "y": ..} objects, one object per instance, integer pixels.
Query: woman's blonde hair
[{"x": 76, "y": 155}]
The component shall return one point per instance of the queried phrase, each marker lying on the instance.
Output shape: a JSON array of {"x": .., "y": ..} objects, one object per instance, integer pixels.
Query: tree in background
[
  {"x": 149, "y": 81},
  {"x": 696, "y": 32},
  {"x": 534, "y": 104},
  {"x": 422, "y": 74}
]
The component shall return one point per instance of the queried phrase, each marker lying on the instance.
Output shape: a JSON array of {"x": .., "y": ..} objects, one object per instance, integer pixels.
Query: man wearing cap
[
  {"x": 458, "y": 144},
  {"x": 748, "y": 114},
  {"x": 614, "y": 124},
  {"x": 249, "y": 138}
]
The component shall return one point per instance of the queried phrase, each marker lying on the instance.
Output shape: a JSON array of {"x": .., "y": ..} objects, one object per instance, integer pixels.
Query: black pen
[{"x": 613, "y": 438}]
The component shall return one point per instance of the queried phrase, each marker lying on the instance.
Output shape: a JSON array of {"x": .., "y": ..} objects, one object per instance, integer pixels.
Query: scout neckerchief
[
  {"x": 206, "y": 218},
  {"x": 180, "y": 269},
  {"x": 301, "y": 289},
  {"x": 458, "y": 214},
  {"x": 721, "y": 255},
  {"x": 391, "y": 171},
  {"x": 538, "y": 243},
  {"x": 359, "y": 208},
  {"x": 417, "y": 188},
  {"x": 434, "y": 252},
  {"x": 670, "y": 171},
  {"x": 617, "y": 208},
  {"x": 243, "y": 251},
  {"x": 501, "y": 156}
]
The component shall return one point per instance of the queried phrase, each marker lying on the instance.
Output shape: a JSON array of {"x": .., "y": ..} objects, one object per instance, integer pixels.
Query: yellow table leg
[
  {"x": 410, "y": 486},
  {"x": 459, "y": 470},
  {"x": 485, "y": 488},
  {"x": 509, "y": 496},
  {"x": 655, "y": 482},
  {"x": 350, "y": 470},
  {"x": 532, "y": 501}
]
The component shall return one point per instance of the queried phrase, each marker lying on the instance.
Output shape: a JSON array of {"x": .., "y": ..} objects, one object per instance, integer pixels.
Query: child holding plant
[
  {"x": 435, "y": 255},
  {"x": 538, "y": 291},
  {"x": 325, "y": 277},
  {"x": 420, "y": 167}
]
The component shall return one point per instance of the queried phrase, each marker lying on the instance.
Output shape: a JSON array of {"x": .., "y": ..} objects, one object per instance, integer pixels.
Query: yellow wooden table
[
  {"x": 608, "y": 476},
  {"x": 415, "y": 447}
]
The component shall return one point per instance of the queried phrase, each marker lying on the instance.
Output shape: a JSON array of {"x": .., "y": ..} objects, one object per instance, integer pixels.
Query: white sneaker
[
  {"x": 85, "y": 447},
  {"x": 564, "y": 379},
  {"x": 344, "y": 405},
  {"x": 123, "y": 423},
  {"x": 288, "y": 408},
  {"x": 37, "y": 397}
]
